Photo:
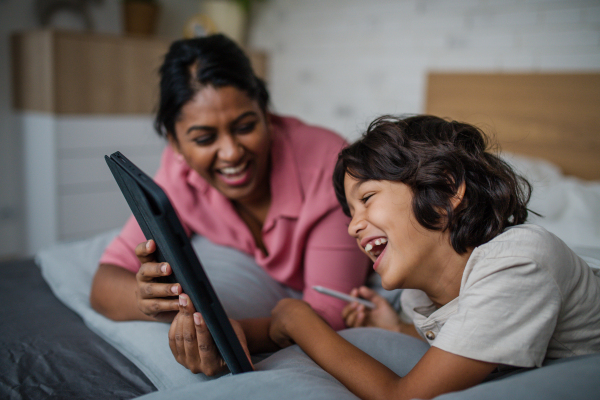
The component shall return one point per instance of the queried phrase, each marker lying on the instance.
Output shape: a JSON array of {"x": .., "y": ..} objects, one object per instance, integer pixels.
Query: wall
[
  {"x": 340, "y": 63},
  {"x": 18, "y": 15}
]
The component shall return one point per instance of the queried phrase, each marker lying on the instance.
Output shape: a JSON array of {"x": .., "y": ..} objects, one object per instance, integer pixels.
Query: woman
[
  {"x": 242, "y": 178},
  {"x": 443, "y": 218}
]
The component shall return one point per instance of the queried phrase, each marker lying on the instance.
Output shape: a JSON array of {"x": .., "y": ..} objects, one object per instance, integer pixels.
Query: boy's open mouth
[{"x": 376, "y": 246}]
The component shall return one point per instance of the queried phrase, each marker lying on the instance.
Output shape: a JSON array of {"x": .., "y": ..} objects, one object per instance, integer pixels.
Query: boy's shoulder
[
  {"x": 526, "y": 240},
  {"x": 525, "y": 250}
]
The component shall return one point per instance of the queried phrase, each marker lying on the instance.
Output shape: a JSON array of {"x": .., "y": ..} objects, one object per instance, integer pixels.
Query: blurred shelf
[{"x": 84, "y": 73}]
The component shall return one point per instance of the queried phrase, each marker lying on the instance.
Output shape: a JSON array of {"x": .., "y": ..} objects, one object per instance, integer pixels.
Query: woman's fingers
[
  {"x": 179, "y": 345},
  {"x": 190, "y": 343},
  {"x": 144, "y": 251},
  {"x": 210, "y": 360},
  {"x": 148, "y": 273},
  {"x": 150, "y": 270},
  {"x": 152, "y": 289},
  {"x": 155, "y": 298},
  {"x": 172, "y": 341}
]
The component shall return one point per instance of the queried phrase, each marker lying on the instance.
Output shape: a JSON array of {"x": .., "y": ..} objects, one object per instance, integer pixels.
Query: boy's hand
[{"x": 382, "y": 316}]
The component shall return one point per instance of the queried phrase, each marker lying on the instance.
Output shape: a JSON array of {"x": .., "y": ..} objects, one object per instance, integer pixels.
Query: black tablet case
[{"x": 158, "y": 220}]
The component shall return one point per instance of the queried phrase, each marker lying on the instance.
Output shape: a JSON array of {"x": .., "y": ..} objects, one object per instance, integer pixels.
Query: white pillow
[{"x": 570, "y": 207}]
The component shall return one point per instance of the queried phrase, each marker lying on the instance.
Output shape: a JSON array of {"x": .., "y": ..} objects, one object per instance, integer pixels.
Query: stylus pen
[{"x": 343, "y": 296}]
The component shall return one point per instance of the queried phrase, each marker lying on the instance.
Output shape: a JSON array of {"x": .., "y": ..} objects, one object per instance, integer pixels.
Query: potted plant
[
  {"x": 229, "y": 16},
  {"x": 140, "y": 16}
]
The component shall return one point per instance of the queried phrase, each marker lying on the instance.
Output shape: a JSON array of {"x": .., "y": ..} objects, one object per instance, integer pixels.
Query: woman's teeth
[
  {"x": 375, "y": 247},
  {"x": 233, "y": 170}
]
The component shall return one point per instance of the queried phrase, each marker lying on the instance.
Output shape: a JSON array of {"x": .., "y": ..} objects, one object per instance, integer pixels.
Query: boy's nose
[{"x": 357, "y": 224}]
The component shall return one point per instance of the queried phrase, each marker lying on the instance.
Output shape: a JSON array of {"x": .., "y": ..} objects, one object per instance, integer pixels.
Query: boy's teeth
[{"x": 376, "y": 242}]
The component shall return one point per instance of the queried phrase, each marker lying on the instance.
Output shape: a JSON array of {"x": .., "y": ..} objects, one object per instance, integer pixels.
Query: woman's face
[
  {"x": 386, "y": 229},
  {"x": 225, "y": 137}
]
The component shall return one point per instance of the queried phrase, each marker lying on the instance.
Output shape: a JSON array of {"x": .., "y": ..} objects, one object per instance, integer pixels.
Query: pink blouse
[{"x": 305, "y": 231}]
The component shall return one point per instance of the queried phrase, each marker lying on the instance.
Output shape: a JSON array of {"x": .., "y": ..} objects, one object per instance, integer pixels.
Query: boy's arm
[{"x": 436, "y": 373}]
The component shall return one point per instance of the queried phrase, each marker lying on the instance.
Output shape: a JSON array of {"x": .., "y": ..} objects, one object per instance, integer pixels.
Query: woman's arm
[
  {"x": 113, "y": 294},
  {"x": 438, "y": 372}
]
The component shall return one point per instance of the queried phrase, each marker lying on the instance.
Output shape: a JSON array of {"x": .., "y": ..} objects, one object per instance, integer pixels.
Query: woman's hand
[
  {"x": 191, "y": 342},
  {"x": 155, "y": 299},
  {"x": 285, "y": 314},
  {"x": 382, "y": 316}
]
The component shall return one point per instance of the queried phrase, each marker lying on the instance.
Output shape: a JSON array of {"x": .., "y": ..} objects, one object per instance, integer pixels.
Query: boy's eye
[{"x": 366, "y": 197}]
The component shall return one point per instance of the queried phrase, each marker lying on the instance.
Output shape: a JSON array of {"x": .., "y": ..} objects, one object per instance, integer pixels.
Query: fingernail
[
  {"x": 148, "y": 245},
  {"x": 197, "y": 318},
  {"x": 163, "y": 268},
  {"x": 183, "y": 300},
  {"x": 174, "y": 289}
]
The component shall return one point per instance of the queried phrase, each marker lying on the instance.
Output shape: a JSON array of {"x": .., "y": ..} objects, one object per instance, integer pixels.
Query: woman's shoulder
[
  {"x": 304, "y": 136},
  {"x": 311, "y": 153}
]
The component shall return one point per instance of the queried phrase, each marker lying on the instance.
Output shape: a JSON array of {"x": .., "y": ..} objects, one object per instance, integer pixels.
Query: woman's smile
[{"x": 236, "y": 176}]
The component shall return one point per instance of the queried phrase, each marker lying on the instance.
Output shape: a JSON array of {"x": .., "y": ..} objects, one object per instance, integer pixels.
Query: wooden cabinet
[
  {"x": 78, "y": 73},
  {"x": 80, "y": 97},
  {"x": 74, "y": 73}
]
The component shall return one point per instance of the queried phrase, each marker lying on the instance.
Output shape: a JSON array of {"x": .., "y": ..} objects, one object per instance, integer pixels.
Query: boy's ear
[{"x": 458, "y": 196}]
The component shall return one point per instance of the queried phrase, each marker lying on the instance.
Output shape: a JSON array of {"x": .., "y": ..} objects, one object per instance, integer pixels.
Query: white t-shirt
[{"x": 524, "y": 296}]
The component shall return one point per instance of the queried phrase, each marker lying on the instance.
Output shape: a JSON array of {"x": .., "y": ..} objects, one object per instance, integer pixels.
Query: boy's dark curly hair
[{"x": 434, "y": 157}]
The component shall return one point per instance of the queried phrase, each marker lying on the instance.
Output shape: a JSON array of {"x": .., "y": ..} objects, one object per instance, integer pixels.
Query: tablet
[{"x": 158, "y": 221}]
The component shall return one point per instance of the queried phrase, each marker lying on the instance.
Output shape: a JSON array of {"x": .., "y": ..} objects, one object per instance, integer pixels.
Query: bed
[{"x": 54, "y": 345}]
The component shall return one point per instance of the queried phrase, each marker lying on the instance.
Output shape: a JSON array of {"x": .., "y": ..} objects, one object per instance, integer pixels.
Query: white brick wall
[{"x": 340, "y": 63}]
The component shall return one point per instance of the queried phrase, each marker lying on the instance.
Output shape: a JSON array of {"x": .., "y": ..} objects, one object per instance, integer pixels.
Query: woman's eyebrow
[
  {"x": 199, "y": 128},
  {"x": 244, "y": 115}
]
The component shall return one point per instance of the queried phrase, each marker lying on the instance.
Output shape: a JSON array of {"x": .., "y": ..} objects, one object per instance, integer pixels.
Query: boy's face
[{"x": 404, "y": 253}]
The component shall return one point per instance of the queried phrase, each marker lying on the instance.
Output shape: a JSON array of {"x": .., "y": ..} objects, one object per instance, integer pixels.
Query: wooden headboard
[{"x": 551, "y": 116}]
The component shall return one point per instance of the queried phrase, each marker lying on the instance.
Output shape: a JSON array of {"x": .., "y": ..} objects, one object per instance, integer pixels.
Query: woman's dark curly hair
[
  {"x": 434, "y": 157},
  {"x": 191, "y": 64}
]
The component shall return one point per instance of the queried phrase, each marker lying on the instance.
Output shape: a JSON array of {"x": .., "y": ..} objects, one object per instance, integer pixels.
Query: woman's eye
[
  {"x": 204, "y": 140},
  {"x": 246, "y": 128}
]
